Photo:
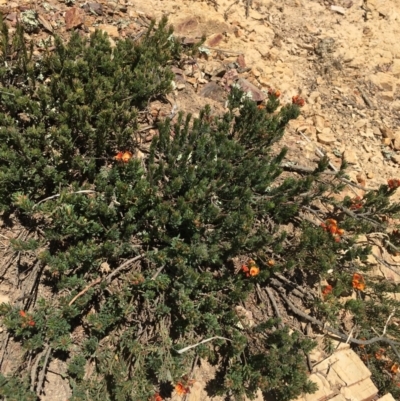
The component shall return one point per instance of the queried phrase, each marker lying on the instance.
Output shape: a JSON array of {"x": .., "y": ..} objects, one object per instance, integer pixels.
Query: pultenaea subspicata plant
[{"x": 138, "y": 253}]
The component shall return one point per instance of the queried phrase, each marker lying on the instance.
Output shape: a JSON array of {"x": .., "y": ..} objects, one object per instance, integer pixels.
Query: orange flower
[
  {"x": 123, "y": 156},
  {"x": 254, "y": 271},
  {"x": 181, "y": 389},
  {"x": 157, "y": 397},
  {"x": 126, "y": 157},
  {"x": 271, "y": 263},
  {"x": 261, "y": 106},
  {"x": 31, "y": 322},
  {"x": 245, "y": 269},
  {"x": 395, "y": 368},
  {"x": 393, "y": 183},
  {"x": 340, "y": 231},
  {"x": 358, "y": 282},
  {"x": 327, "y": 290},
  {"x": 119, "y": 156},
  {"x": 333, "y": 229},
  {"x": 299, "y": 101},
  {"x": 22, "y": 313}
]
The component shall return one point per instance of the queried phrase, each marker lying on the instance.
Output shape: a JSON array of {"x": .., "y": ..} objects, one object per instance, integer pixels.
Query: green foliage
[{"x": 209, "y": 190}]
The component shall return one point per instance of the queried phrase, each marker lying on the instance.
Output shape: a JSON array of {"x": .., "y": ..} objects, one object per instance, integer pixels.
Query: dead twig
[
  {"x": 274, "y": 305},
  {"x": 249, "y": 3},
  {"x": 303, "y": 169},
  {"x": 365, "y": 98},
  {"x": 86, "y": 289},
  {"x": 337, "y": 333},
  {"x": 387, "y": 321},
  {"x": 226, "y": 11},
  {"x": 123, "y": 266},
  {"x": 83, "y": 191},
  {"x": 3, "y": 348},
  {"x": 157, "y": 272},
  {"x": 43, "y": 371},
  {"x": 35, "y": 367},
  {"x": 183, "y": 350}
]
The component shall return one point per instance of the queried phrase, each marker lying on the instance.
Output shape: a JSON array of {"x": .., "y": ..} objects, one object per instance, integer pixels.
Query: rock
[
  {"x": 388, "y": 96},
  {"x": 350, "y": 156},
  {"x": 384, "y": 81},
  {"x": 73, "y": 18},
  {"x": 241, "y": 61},
  {"x": 4, "y": 299},
  {"x": 111, "y": 30},
  {"x": 186, "y": 25},
  {"x": 256, "y": 94},
  {"x": 326, "y": 137},
  {"x": 396, "y": 68},
  {"x": 319, "y": 123},
  {"x": 45, "y": 23},
  {"x": 214, "y": 40},
  {"x": 395, "y": 158},
  {"x": 386, "y": 132},
  {"x": 396, "y": 141},
  {"x": 213, "y": 91},
  {"x": 360, "y": 123},
  {"x": 95, "y": 8},
  {"x": 338, "y": 9}
]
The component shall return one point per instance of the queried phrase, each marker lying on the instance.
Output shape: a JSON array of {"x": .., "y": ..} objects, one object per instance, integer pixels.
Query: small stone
[
  {"x": 241, "y": 61},
  {"x": 360, "y": 123},
  {"x": 95, "y": 8},
  {"x": 350, "y": 156},
  {"x": 246, "y": 86},
  {"x": 338, "y": 9},
  {"x": 396, "y": 144},
  {"x": 395, "y": 158},
  {"x": 214, "y": 40},
  {"x": 384, "y": 81},
  {"x": 387, "y": 95},
  {"x": 319, "y": 123},
  {"x": 386, "y": 132},
  {"x": 361, "y": 179},
  {"x": 111, "y": 30},
  {"x": 376, "y": 131},
  {"x": 73, "y": 18},
  {"x": 396, "y": 68},
  {"x": 370, "y": 174},
  {"x": 386, "y": 141},
  {"x": 326, "y": 137}
]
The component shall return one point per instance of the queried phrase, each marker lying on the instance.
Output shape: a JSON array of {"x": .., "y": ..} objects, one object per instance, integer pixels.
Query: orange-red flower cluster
[
  {"x": 327, "y": 290},
  {"x": 393, "y": 183},
  {"x": 331, "y": 226},
  {"x": 273, "y": 92},
  {"x": 251, "y": 270},
  {"x": 123, "y": 156},
  {"x": 26, "y": 319},
  {"x": 358, "y": 282},
  {"x": 183, "y": 389},
  {"x": 298, "y": 100},
  {"x": 157, "y": 397},
  {"x": 356, "y": 203}
]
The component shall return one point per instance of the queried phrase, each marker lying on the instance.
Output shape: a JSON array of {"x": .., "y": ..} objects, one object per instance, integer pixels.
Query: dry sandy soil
[{"x": 341, "y": 56}]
